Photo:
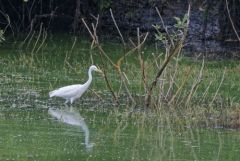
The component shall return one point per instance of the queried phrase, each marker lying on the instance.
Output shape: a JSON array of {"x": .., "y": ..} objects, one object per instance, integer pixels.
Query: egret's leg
[
  {"x": 61, "y": 110},
  {"x": 71, "y": 109},
  {"x": 66, "y": 106},
  {"x": 67, "y": 100},
  {"x": 71, "y": 100}
]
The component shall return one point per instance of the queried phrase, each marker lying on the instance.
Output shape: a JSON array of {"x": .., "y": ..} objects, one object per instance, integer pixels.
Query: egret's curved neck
[{"x": 89, "y": 77}]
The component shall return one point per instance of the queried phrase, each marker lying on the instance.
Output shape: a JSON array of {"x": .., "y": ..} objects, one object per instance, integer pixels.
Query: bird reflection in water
[{"x": 71, "y": 116}]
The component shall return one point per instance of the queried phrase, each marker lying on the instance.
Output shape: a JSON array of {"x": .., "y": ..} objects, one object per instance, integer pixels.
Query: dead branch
[
  {"x": 230, "y": 18},
  {"x": 102, "y": 53},
  {"x": 119, "y": 32},
  {"x": 175, "y": 48}
]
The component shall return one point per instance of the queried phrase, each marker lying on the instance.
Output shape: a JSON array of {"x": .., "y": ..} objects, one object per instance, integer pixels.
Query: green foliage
[
  {"x": 103, "y": 4},
  {"x": 181, "y": 23},
  {"x": 159, "y": 35},
  {"x": 175, "y": 33}
]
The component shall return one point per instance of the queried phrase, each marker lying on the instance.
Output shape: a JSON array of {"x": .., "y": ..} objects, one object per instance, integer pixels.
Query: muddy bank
[{"x": 204, "y": 29}]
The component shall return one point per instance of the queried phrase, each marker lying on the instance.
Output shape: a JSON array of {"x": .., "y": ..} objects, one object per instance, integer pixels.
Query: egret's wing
[{"x": 64, "y": 91}]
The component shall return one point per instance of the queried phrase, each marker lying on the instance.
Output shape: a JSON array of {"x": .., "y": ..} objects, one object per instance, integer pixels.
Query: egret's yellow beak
[{"x": 99, "y": 71}]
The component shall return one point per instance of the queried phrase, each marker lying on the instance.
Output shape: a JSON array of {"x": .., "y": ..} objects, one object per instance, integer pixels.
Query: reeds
[
  {"x": 162, "y": 81},
  {"x": 173, "y": 42}
]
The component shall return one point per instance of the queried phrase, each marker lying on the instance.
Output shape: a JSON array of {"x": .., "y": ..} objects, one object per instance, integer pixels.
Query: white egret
[{"x": 73, "y": 92}]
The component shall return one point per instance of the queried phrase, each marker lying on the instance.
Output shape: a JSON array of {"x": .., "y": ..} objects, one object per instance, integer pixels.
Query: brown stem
[
  {"x": 102, "y": 53},
  {"x": 174, "y": 51},
  {"x": 119, "y": 32},
  {"x": 175, "y": 48}
]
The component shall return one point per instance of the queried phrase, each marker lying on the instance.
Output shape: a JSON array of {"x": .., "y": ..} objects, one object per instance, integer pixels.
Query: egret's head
[{"x": 94, "y": 68}]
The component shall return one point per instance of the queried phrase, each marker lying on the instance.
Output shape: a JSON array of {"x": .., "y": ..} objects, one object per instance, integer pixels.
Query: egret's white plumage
[{"x": 73, "y": 92}]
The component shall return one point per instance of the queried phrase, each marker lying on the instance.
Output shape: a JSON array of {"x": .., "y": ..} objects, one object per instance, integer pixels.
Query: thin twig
[
  {"x": 195, "y": 84},
  {"x": 30, "y": 40},
  {"x": 206, "y": 91},
  {"x": 164, "y": 27},
  {"x": 233, "y": 26},
  {"x": 134, "y": 45},
  {"x": 95, "y": 40},
  {"x": 8, "y": 22},
  {"x": 43, "y": 40},
  {"x": 134, "y": 49},
  {"x": 181, "y": 86},
  {"x": 173, "y": 77},
  {"x": 141, "y": 60},
  {"x": 39, "y": 35},
  {"x": 119, "y": 32},
  {"x": 215, "y": 95},
  {"x": 96, "y": 94}
]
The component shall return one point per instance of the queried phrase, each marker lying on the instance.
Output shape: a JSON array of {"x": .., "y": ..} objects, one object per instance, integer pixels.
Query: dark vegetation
[{"x": 214, "y": 25}]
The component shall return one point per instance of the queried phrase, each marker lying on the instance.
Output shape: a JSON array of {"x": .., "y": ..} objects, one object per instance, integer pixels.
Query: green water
[
  {"x": 34, "y": 127},
  {"x": 34, "y": 134}
]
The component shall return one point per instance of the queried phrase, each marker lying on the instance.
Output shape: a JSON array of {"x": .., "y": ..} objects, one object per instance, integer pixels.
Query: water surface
[
  {"x": 34, "y": 127},
  {"x": 57, "y": 133}
]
